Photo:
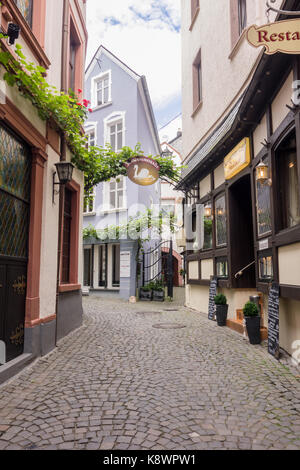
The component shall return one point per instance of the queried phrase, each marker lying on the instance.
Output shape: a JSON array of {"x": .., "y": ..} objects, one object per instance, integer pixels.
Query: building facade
[
  {"x": 40, "y": 242},
  {"x": 122, "y": 116},
  {"x": 238, "y": 117}
]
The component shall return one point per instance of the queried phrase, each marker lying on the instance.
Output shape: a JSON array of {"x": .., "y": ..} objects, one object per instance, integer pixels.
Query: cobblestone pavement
[{"x": 119, "y": 383}]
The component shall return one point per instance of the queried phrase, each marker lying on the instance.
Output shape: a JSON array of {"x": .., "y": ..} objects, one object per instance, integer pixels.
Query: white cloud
[{"x": 143, "y": 34}]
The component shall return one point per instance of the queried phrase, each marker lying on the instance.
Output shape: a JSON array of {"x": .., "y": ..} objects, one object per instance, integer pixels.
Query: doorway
[
  {"x": 241, "y": 234},
  {"x": 15, "y": 176}
]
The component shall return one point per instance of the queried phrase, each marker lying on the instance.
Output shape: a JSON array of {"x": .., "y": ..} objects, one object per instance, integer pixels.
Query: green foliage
[
  {"x": 146, "y": 288},
  {"x": 250, "y": 310},
  {"x": 220, "y": 299},
  {"x": 133, "y": 229},
  {"x": 156, "y": 285},
  {"x": 67, "y": 116},
  {"x": 90, "y": 232}
]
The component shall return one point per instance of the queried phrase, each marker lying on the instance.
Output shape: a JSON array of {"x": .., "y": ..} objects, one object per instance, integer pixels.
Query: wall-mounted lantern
[
  {"x": 207, "y": 211},
  {"x": 64, "y": 173},
  {"x": 262, "y": 174}
]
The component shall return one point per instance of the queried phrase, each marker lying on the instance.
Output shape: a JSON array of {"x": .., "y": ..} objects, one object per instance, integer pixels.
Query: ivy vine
[{"x": 67, "y": 115}]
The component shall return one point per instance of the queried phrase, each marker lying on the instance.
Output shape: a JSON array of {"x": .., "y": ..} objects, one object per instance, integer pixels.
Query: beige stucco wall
[
  {"x": 219, "y": 176},
  {"x": 197, "y": 298},
  {"x": 212, "y": 33},
  {"x": 279, "y": 109},
  {"x": 48, "y": 273},
  {"x": 259, "y": 135},
  {"x": 207, "y": 268},
  {"x": 205, "y": 186},
  {"x": 193, "y": 270},
  {"x": 289, "y": 264},
  {"x": 53, "y": 29}
]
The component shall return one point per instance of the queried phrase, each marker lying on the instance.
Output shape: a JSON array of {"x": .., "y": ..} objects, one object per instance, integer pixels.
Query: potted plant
[
  {"x": 145, "y": 293},
  {"x": 252, "y": 318},
  {"x": 221, "y": 309},
  {"x": 158, "y": 291}
]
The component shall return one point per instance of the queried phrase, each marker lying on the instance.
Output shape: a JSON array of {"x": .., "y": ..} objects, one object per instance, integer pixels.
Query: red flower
[
  {"x": 85, "y": 103},
  {"x": 79, "y": 104},
  {"x": 90, "y": 110},
  {"x": 79, "y": 91}
]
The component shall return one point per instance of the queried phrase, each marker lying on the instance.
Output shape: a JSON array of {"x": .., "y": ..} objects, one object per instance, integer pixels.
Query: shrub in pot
[
  {"x": 146, "y": 293},
  {"x": 221, "y": 309},
  {"x": 158, "y": 291},
  {"x": 252, "y": 318}
]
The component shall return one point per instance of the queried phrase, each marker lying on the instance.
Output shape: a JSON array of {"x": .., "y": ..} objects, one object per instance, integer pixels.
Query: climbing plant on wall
[{"x": 67, "y": 115}]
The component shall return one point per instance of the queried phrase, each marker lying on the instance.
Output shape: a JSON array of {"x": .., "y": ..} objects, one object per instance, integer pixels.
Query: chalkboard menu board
[
  {"x": 273, "y": 321},
  {"x": 212, "y": 294}
]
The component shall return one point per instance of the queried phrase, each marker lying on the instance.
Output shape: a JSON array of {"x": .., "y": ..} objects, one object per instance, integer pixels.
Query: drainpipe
[{"x": 63, "y": 148}]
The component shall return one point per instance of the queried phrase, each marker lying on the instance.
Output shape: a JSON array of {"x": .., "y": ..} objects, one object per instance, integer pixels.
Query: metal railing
[{"x": 241, "y": 272}]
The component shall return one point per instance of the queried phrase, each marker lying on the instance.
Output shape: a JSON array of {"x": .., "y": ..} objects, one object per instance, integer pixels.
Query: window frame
[
  {"x": 242, "y": 22},
  {"x": 111, "y": 120},
  {"x": 197, "y": 72},
  {"x": 94, "y": 93}
]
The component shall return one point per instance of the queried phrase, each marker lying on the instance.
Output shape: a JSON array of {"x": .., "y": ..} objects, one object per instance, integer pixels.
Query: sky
[{"x": 145, "y": 34}]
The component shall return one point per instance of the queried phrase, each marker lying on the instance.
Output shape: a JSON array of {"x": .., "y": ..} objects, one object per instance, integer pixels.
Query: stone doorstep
[
  {"x": 237, "y": 326},
  {"x": 11, "y": 368}
]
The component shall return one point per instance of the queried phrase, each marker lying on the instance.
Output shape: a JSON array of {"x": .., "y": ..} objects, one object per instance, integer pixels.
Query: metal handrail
[{"x": 240, "y": 273}]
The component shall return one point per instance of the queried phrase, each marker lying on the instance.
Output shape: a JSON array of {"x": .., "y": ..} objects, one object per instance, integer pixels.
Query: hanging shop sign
[
  {"x": 282, "y": 36},
  {"x": 238, "y": 159},
  {"x": 143, "y": 171}
]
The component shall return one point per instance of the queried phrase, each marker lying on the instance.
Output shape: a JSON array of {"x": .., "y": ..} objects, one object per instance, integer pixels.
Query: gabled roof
[
  {"x": 115, "y": 59},
  {"x": 142, "y": 87}
]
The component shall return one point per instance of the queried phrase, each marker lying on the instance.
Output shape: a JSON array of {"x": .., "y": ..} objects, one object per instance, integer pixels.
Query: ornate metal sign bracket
[{"x": 282, "y": 12}]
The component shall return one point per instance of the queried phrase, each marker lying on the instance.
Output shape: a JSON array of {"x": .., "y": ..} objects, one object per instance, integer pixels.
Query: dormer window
[{"x": 101, "y": 89}]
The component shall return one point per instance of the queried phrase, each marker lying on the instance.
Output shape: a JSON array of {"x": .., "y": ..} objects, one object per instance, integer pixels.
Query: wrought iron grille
[{"x": 15, "y": 166}]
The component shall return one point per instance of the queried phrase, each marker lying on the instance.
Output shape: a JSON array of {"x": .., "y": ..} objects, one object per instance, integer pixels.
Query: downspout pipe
[{"x": 63, "y": 149}]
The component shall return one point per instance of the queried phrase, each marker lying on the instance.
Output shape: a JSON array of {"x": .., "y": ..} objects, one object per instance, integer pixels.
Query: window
[
  {"x": 265, "y": 267},
  {"x": 220, "y": 215},
  {"x": 116, "y": 136},
  {"x": 101, "y": 89},
  {"x": 263, "y": 205},
  {"x": 103, "y": 266},
  {"x": 89, "y": 202},
  {"x": 117, "y": 193},
  {"x": 114, "y": 126},
  {"x": 207, "y": 226},
  {"x": 242, "y": 11},
  {"x": 288, "y": 184},
  {"x": 72, "y": 63},
  {"x": 194, "y": 7},
  {"x": 67, "y": 218},
  {"x": 116, "y": 265},
  {"x": 197, "y": 81},
  {"x": 25, "y": 7},
  {"x": 222, "y": 268},
  {"x": 91, "y": 136}
]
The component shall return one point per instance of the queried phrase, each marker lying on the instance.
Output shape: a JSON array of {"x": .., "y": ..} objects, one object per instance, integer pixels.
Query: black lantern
[{"x": 64, "y": 172}]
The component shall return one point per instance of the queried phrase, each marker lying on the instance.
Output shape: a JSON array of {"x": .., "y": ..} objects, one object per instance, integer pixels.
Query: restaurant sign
[
  {"x": 238, "y": 159},
  {"x": 282, "y": 36},
  {"x": 143, "y": 171}
]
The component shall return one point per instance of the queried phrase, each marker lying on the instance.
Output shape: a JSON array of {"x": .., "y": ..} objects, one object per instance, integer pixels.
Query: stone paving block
[{"x": 118, "y": 383}]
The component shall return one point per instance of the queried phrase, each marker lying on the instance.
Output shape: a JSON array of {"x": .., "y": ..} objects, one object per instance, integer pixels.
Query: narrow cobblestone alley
[{"x": 120, "y": 383}]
